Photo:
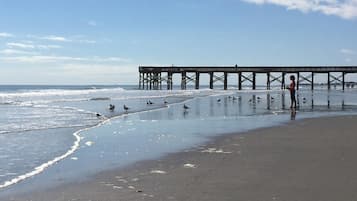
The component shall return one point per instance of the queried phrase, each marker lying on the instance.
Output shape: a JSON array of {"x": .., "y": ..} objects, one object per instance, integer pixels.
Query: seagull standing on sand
[
  {"x": 218, "y": 100},
  {"x": 111, "y": 107},
  {"x": 304, "y": 100},
  {"x": 126, "y": 108}
]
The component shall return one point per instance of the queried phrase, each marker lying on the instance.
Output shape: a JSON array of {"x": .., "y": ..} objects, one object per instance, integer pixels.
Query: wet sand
[{"x": 312, "y": 159}]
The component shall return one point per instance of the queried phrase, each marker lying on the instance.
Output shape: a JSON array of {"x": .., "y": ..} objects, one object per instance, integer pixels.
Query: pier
[{"x": 152, "y": 77}]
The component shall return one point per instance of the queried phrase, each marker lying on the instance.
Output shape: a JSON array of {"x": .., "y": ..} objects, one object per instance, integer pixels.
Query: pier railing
[{"x": 152, "y": 77}]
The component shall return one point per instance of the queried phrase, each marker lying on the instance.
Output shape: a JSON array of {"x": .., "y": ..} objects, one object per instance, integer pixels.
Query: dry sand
[{"x": 307, "y": 160}]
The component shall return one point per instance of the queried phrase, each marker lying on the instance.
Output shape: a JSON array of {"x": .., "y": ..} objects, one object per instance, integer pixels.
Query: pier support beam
[
  {"x": 312, "y": 80},
  {"x": 343, "y": 80},
  {"x": 254, "y": 80},
  {"x": 268, "y": 82},
  {"x": 183, "y": 80},
  {"x": 169, "y": 81},
  {"x": 328, "y": 81},
  {"x": 298, "y": 81},
  {"x": 197, "y": 83},
  {"x": 239, "y": 81},
  {"x": 147, "y": 81},
  {"x": 140, "y": 74},
  {"x": 211, "y": 80},
  {"x": 283, "y": 80},
  {"x": 225, "y": 81},
  {"x": 160, "y": 81},
  {"x": 143, "y": 81},
  {"x": 150, "y": 81}
]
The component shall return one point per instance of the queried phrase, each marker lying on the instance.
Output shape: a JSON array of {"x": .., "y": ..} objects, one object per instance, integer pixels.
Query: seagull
[
  {"x": 111, "y": 107},
  {"x": 126, "y": 108},
  {"x": 185, "y": 107},
  {"x": 165, "y": 102},
  {"x": 218, "y": 100},
  {"x": 258, "y": 98},
  {"x": 98, "y": 115},
  {"x": 234, "y": 98}
]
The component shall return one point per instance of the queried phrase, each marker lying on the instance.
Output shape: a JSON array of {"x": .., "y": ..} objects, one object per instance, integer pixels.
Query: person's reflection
[
  {"x": 185, "y": 113},
  {"x": 293, "y": 114}
]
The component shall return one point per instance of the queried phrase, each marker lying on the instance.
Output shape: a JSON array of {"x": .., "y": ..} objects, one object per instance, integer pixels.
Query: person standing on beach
[{"x": 292, "y": 91}]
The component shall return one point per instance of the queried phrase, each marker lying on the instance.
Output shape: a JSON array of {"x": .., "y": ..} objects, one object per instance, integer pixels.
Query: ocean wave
[
  {"x": 39, "y": 169},
  {"x": 29, "y": 117},
  {"x": 56, "y": 92},
  {"x": 42, "y": 167}
]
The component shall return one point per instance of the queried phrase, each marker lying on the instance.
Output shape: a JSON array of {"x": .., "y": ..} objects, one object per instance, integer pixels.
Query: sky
[{"x": 104, "y": 41}]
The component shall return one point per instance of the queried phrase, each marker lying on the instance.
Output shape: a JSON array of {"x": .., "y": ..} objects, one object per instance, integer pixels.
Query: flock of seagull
[{"x": 186, "y": 107}]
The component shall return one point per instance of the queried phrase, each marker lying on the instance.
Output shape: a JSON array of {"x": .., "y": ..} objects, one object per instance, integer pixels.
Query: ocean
[{"x": 62, "y": 133}]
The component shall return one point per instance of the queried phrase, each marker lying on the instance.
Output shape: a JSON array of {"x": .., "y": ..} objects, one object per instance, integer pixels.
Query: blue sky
[{"x": 104, "y": 41}]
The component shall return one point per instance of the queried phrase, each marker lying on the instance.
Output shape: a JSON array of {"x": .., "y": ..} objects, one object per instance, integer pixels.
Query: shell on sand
[{"x": 157, "y": 172}]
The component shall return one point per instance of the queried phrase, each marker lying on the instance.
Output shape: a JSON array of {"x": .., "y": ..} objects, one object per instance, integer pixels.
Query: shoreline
[
  {"x": 272, "y": 162},
  {"x": 76, "y": 144}
]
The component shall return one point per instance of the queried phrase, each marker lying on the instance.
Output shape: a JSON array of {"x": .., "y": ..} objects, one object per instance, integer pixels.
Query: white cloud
[
  {"x": 96, "y": 73},
  {"x": 346, "y": 9},
  {"x": 348, "y": 51},
  {"x": 31, "y": 45},
  {"x": 62, "y": 59},
  {"x": 13, "y": 51},
  {"x": 97, "y": 69},
  {"x": 20, "y": 45},
  {"x": 109, "y": 59},
  {"x": 92, "y": 23},
  {"x": 88, "y": 41},
  {"x": 56, "y": 38},
  {"x": 46, "y": 47},
  {"x": 38, "y": 59},
  {"x": 6, "y": 35}
]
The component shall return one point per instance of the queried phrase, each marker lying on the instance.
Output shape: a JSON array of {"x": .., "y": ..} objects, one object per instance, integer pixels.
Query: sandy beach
[{"x": 311, "y": 159}]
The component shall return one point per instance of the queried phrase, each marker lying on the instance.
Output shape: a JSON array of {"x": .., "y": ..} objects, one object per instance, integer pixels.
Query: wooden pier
[{"x": 152, "y": 77}]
